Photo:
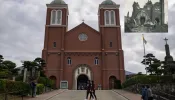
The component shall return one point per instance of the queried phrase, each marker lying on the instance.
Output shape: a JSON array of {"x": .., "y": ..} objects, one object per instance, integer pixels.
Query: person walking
[
  {"x": 93, "y": 91},
  {"x": 33, "y": 87},
  {"x": 87, "y": 89},
  {"x": 144, "y": 93},
  {"x": 150, "y": 95}
]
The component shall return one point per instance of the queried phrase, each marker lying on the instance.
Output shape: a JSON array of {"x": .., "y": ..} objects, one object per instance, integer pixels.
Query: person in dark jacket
[
  {"x": 144, "y": 93},
  {"x": 33, "y": 87},
  {"x": 87, "y": 89},
  {"x": 92, "y": 94}
]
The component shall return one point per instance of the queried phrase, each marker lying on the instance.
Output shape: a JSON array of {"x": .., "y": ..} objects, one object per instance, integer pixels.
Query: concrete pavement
[
  {"x": 46, "y": 96},
  {"x": 81, "y": 94},
  {"x": 128, "y": 95}
]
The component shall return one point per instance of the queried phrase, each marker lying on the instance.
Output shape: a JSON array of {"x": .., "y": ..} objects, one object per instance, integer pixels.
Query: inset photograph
[{"x": 146, "y": 16}]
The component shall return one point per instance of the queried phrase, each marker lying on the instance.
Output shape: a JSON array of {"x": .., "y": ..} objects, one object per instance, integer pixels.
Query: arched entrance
[
  {"x": 142, "y": 17},
  {"x": 81, "y": 82},
  {"x": 114, "y": 83},
  {"x": 157, "y": 21},
  {"x": 53, "y": 78},
  {"x": 82, "y": 73},
  {"x": 142, "y": 20}
]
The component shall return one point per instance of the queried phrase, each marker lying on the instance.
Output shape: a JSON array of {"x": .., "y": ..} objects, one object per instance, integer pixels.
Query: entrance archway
[
  {"x": 81, "y": 82},
  {"x": 81, "y": 69},
  {"x": 53, "y": 78},
  {"x": 157, "y": 21},
  {"x": 142, "y": 20},
  {"x": 114, "y": 83}
]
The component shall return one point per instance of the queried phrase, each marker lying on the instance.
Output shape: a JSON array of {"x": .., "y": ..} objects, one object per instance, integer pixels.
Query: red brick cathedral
[{"x": 83, "y": 53}]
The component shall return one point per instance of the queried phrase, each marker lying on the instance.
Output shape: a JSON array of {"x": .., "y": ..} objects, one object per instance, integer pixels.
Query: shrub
[
  {"x": 4, "y": 74},
  {"x": 15, "y": 87},
  {"x": 42, "y": 80},
  {"x": 2, "y": 85},
  {"x": 46, "y": 82},
  {"x": 40, "y": 88},
  {"x": 118, "y": 84},
  {"x": 19, "y": 78}
]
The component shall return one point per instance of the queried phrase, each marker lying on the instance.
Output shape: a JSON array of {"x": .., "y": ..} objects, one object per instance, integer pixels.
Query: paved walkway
[
  {"x": 81, "y": 94},
  {"x": 128, "y": 95},
  {"x": 46, "y": 96}
]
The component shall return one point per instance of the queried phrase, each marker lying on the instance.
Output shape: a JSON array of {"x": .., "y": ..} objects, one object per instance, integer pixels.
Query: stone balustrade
[{"x": 159, "y": 90}]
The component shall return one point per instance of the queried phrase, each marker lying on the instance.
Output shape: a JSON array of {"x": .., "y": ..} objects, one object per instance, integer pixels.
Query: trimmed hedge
[
  {"x": 15, "y": 87},
  {"x": 144, "y": 79},
  {"x": 4, "y": 74},
  {"x": 40, "y": 88}
]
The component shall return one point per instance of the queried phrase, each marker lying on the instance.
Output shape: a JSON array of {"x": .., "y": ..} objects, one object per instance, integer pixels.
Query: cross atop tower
[
  {"x": 83, "y": 20},
  {"x": 166, "y": 40}
]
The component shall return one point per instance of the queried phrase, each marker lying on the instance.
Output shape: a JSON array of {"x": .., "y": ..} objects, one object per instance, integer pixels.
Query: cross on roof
[
  {"x": 166, "y": 40},
  {"x": 83, "y": 20}
]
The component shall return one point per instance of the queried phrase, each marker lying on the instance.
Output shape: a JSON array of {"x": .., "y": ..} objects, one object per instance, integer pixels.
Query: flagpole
[{"x": 144, "y": 52}]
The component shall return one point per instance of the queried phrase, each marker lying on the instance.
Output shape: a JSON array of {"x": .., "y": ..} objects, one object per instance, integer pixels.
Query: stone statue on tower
[
  {"x": 169, "y": 63},
  {"x": 168, "y": 57}
]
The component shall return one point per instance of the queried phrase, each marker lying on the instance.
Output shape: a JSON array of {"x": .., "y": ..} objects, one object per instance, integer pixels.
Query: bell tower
[
  {"x": 112, "y": 53},
  {"x": 55, "y": 28}
]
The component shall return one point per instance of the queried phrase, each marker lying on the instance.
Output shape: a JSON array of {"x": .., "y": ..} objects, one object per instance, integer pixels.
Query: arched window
[
  {"x": 110, "y": 44},
  {"x": 112, "y": 17},
  {"x": 109, "y": 17},
  {"x": 56, "y": 17},
  {"x": 59, "y": 17},
  {"x": 107, "y": 21},
  {"x": 96, "y": 61},
  {"x": 53, "y": 17},
  {"x": 54, "y": 44},
  {"x": 69, "y": 61}
]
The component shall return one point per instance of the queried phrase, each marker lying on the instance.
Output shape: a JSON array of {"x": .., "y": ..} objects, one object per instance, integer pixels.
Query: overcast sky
[
  {"x": 128, "y": 6},
  {"x": 22, "y": 27}
]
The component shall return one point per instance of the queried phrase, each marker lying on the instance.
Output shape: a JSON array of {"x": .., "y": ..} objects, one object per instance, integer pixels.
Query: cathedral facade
[{"x": 83, "y": 53}]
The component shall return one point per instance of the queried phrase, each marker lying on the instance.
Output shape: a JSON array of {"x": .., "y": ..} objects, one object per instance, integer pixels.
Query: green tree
[
  {"x": 40, "y": 63},
  {"x": 1, "y": 60},
  {"x": 165, "y": 71},
  {"x": 7, "y": 68},
  {"x": 10, "y": 67},
  {"x": 8, "y": 64},
  {"x": 148, "y": 60},
  {"x": 139, "y": 73},
  {"x": 29, "y": 65},
  {"x": 156, "y": 67},
  {"x": 168, "y": 67}
]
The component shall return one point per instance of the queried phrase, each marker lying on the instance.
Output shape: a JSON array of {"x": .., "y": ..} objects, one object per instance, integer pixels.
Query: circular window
[{"x": 83, "y": 37}]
